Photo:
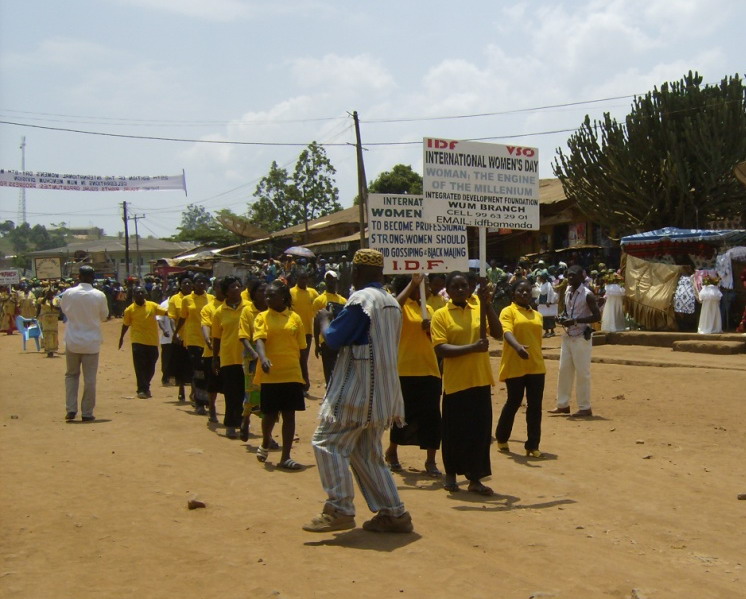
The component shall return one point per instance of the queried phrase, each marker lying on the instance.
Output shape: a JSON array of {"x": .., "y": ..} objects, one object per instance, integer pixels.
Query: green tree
[
  {"x": 6, "y": 227},
  {"x": 400, "y": 179},
  {"x": 199, "y": 226},
  {"x": 276, "y": 207},
  {"x": 669, "y": 164},
  {"x": 313, "y": 180},
  {"x": 25, "y": 238}
]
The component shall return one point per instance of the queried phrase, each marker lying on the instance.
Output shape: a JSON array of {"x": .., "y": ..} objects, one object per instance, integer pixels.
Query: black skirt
[
  {"x": 181, "y": 363},
  {"x": 282, "y": 397},
  {"x": 421, "y": 412},
  {"x": 467, "y": 432}
]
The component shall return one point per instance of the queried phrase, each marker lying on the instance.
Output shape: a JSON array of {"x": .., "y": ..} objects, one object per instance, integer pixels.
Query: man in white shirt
[{"x": 85, "y": 309}]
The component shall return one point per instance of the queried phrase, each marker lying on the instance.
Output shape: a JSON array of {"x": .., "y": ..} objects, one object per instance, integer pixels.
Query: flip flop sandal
[
  {"x": 451, "y": 487},
  {"x": 394, "y": 466},
  {"x": 481, "y": 489},
  {"x": 274, "y": 445},
  {"x": 290, "y": 464},
  {"x": 432, "y": 470},
  {"x": 262, "y": 454}
]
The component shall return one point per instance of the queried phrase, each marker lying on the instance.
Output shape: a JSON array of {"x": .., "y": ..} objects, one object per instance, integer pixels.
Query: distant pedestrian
[
  {"x": 141, "y": 316},
  {"x": 85, "y": 309},
  {"x": 48, "y": 313},
  {"x": 581, "y": 309}
]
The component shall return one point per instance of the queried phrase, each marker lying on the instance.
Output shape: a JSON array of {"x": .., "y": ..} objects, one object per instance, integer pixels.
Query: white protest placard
[
  {"x": 480, "y": 184},
  {"x": 9, "y": 277},
  {"x": 407, "y": 242}
]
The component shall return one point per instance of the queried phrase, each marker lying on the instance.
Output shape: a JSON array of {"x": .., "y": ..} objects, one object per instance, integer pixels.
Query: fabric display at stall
[{"x": 649, "y": 291}]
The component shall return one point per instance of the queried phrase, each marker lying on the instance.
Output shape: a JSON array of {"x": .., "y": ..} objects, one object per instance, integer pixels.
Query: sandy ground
[{"x": 640, "y": 501}]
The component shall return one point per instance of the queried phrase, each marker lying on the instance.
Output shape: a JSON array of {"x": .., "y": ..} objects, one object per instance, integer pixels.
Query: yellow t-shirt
[
  {"x": 416, "y": 354},
  {"x": 436, "y": 302},
  {"x": 245, "y": 297},
  {"x": 303, "y": 305},
  {"x": 225, "y": 325},
  {"x": 191, "y": 308},
  {"x": 142, "y": 322},
  {"x": 526, "y": 326},
  {"x": 322, "y": 300},
  {"x": 206, "y": 315},
  {"x": 174, "y": 306},
  {"x": 460, "y": 326},
  {"x": 284, "y": 336},
  {"x": 246, "y": 323}
]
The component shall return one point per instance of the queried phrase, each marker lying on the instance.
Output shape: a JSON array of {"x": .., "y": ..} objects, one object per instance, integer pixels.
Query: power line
[
  {"x": 260, "y": 143},
  {"x": 502, "y": 112},
  {"x": 167, "y": 122},
  {"x": 199, "y": 123}
]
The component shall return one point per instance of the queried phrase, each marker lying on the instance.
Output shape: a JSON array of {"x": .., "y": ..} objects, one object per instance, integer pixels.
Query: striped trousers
[{"x": 340, "y": 447}]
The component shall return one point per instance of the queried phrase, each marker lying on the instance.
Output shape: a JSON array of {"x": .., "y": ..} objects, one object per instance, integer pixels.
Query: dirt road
[{"x": 640, "y": 501}]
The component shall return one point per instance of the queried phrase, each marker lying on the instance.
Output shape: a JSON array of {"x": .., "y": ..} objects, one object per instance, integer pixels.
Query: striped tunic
[{"x": 364, "y": 388}]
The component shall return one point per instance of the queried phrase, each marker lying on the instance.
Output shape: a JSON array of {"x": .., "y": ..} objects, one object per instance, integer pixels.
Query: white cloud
[
  {"x": 359, "y": 73},
  {"x": 230, "y": 10},
  {"x": 60, "y": 52}
]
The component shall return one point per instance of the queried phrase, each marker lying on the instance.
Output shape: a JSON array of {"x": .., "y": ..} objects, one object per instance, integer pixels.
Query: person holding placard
[
  {"x": 419, "y": 377},
  {"x": 458, "y": 334}
]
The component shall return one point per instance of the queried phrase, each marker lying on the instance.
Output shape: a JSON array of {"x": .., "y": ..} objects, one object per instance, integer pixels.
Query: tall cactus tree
[{"x": 670, "y": 163}]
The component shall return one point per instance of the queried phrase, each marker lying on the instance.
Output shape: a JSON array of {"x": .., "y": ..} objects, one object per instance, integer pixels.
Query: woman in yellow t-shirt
[
  {"x": 228, "y": 353},
  {"x": 467, "y": 378},
  {"x": 419, "y": 377},
  {"x": 257, "y": 303},
  {"x": 522, "y": 368},
  {"x": 280, "y": 337}
]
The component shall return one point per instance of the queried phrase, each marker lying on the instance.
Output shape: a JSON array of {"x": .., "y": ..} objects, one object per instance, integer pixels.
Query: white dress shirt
[{"x": 85, "y": 309}]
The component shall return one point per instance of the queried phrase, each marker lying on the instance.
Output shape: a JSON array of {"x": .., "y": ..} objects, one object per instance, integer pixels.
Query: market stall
[{"x": 655, "y": 262}]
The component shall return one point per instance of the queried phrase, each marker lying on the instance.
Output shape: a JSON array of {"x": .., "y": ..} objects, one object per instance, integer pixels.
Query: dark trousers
[
  {"x": 328, "y": 359},
  {"x": 304, "y": 361},
  {"x": 234, "y": 390},
  {"x": 533, "y": 386},
  {"x": 199, "y": 376},
  {"x": 165, "y": 362},
  {"x": 144, "y": 358}
]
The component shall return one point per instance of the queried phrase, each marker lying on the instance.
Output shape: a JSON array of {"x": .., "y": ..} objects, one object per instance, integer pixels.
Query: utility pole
[
  {"x": 135, "y": 218},
  {"x": 362, "y": 185},
  {"x": 22, "y": 190},
  {"x": 126, "y": 240}
]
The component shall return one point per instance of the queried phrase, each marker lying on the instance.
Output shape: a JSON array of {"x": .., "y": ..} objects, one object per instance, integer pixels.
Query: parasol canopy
[
  {"x": 669, "y": 235},
  {"x": 300, "y": 251}
]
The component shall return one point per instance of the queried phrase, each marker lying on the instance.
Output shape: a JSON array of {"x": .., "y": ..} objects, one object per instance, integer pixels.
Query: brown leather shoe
[
  {"x": 559, "y": 410},
  {"x": 583, "y": 413}
]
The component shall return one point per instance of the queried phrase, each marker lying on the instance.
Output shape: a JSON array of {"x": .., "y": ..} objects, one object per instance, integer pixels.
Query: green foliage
[
  {"x": 669, "y": 164},
  {"x": 276, "y": 205},
  {"x": 201, "y": 227},
  {"x": 283, "y": 201},
  {"x": 400, "y": 179},
  {"x": 313, "y": 179},
  {"x": 25, "y": 238}
]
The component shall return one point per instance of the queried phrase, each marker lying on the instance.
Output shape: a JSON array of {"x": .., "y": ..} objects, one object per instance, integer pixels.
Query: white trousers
[
  {"x": 575, "y": 366},
  {"x": 339, "y": 447},
  {"x": 89, "y": 363}
]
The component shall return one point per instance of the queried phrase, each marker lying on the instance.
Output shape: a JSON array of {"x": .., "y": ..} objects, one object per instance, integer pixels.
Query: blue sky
[{"x": 291, "y": 71}]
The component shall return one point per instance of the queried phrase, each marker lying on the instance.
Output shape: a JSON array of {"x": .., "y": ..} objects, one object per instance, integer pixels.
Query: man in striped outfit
[{"x": 362, "y": 400}]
